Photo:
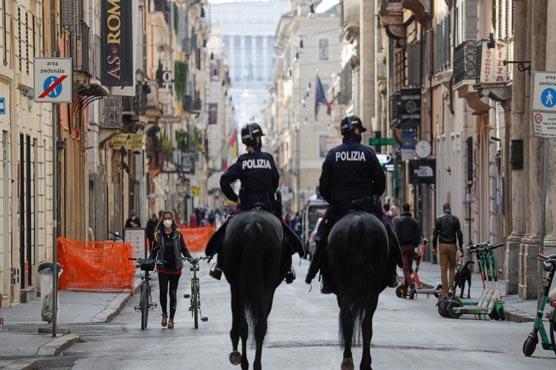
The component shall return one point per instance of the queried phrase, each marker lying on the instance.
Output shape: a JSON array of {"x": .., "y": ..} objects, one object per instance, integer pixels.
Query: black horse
[
  {"x": 255, "y": 261},
  {"x": 359, "y": 265}
]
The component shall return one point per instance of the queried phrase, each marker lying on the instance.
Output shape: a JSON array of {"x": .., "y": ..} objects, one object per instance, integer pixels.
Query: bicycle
[
  {"x": 195, "y": 296},
  {"x": 145, "y": 301}
]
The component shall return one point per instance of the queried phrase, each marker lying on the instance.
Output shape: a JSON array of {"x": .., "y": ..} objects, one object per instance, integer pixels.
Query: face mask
[{"x": 167, "y": 223}]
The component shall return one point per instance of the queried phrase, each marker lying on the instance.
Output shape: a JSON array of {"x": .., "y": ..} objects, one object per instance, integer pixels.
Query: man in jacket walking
[
  {"x": 409, "y": 237},
  {"x": 447, "y": 233}
]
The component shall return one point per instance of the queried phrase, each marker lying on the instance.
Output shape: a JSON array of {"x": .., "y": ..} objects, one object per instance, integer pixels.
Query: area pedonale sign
[{"x": 117, "y": 42}]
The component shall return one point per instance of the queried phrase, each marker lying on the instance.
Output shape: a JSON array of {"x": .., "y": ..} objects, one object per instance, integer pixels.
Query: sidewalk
[
  {"x": 20, "y": 340},
  {"x": 518, "y": 310}
]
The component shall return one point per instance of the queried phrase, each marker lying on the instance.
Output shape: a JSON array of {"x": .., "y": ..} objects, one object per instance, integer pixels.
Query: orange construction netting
[
  {"x": 196, "y": 238},
  {"x": 101, "y": 266}
]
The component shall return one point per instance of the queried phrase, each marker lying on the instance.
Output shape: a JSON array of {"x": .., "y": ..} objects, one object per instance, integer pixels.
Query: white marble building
[{"x": 246, "y": 29}]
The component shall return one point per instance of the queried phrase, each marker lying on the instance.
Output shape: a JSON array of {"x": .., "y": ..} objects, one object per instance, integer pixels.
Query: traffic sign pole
[
  {"x": 53, "y": 83},
  {"x": 55, "y": 199}
]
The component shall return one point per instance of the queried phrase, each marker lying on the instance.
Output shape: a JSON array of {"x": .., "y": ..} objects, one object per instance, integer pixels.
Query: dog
[{"x": 463, "y": 275}]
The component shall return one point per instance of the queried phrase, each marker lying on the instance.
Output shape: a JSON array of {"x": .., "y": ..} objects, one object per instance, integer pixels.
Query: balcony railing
[
  {"x": 112, "y": 112},
  {"x": 467, "y": 62}
]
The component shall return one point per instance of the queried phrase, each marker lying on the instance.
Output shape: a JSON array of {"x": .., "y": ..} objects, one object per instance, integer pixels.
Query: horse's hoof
[
  {"x": 235, "y": 358},
  {"x": 347, "y": 364}
]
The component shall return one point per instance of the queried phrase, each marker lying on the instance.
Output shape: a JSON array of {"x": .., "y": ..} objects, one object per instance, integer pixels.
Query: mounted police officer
[
  {"x": 257, "y": 172},
  {"x": 351, "y": 179}
]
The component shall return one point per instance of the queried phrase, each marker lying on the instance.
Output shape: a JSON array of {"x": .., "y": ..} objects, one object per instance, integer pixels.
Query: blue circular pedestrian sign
[
  {"x": 548, "y": 97},
  {"x": 56, "y": 90}
]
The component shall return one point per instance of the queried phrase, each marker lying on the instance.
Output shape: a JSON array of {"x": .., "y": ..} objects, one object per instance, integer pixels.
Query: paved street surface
[{"x": 303, "y": 334}]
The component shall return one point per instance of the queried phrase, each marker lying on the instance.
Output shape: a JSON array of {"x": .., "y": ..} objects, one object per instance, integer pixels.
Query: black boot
[
  {"x": 314, "y": 267},
  {"x": 215, "y": 272},
  {"x": 290, "y": 275}
]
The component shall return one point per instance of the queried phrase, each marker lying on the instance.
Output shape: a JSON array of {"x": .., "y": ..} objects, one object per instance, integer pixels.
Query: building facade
[
  {"x": 246, "y": 29},
  {"x": 303, "y": 131}
]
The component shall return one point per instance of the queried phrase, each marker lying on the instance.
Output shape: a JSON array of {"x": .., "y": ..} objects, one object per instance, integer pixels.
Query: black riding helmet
[
  {"x": 250, "y": 132},
  {"x": 350, "y": 123}
]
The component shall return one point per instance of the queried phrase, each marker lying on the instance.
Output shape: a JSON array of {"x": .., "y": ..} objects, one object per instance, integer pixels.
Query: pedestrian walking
[
  {"x": 447, "y": 233},
  {"x": 168, "y": 247},
  {"x": 387, "y": 215},
  {"x": 409, "y": 237}
]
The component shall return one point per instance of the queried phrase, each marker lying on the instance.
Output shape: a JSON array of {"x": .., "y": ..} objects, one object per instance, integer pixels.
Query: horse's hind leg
[
  {"x": 367, "y": 330},
  {"x": 244, "y": 333},
  {"x": 260, "y": 332},
  {"x": 346, "y": 321},
  {"x": 235, "y": 356}
]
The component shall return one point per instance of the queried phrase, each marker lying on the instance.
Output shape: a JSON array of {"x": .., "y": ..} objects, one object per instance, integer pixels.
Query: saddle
[{"x": 291, "y": 239}]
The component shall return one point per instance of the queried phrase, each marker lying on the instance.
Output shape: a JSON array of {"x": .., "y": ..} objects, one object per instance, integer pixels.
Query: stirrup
[{"x": 215, "y": 272}]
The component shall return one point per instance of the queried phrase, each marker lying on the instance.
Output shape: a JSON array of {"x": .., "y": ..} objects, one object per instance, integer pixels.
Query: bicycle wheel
[
  {"x": 196, "y": 305},
  {"x": 144, "y": 304}
]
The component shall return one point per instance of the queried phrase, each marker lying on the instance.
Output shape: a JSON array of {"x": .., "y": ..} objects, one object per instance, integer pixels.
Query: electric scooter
[
  {"x": 445, "y": 299},
  {"x": 492, "y": 301},
  {"x": 548, "y": 297},
  {"x": 403, "y": 291}
]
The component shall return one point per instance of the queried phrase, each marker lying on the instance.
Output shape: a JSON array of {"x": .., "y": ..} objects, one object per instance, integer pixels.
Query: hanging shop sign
[
  {"x": 407, "y": 147},
  {"x": 422, "y": 171},
  {"x": 187, "y": 161},
  {"x": 386, "y": 162},
  {"x": 127, "y": 141},
  {"x": 493, "y": 69},
  {"x": 409, "y": 109},
  {"x": 116, "y": 21}
]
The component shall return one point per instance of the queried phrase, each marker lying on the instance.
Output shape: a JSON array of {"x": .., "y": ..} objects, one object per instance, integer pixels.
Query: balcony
[
  {"x": 467, "y": 63},
  {"x": 112, "y": 112},
  {"x": 391, "y": 17},
  {"x": 421, "y": 9}
]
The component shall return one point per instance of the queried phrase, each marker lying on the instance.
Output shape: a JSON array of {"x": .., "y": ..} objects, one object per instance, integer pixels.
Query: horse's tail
[
  {"x": 251, "y": 272},
  {"x": 357, "y": 272}
]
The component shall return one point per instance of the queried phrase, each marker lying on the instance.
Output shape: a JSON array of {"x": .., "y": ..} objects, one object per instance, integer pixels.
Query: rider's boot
[
  {"x": 215, "y": 272},
  {"x": 213, "y": 247},
  {"x": 290, "y": 275},
  {"x": 315, "y": 265}
]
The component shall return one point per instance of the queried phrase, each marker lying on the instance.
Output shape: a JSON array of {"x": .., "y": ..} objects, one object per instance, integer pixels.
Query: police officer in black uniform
[
  {"x": 257, "y": 172},
  {"x": 351, "y": 179}
]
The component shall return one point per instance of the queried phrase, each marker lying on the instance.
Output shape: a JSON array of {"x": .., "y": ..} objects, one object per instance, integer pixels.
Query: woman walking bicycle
[{"x": 168, "y": 248}]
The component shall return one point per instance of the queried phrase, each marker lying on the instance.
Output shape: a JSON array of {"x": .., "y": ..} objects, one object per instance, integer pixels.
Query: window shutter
[{"x": 414, "y": 65}]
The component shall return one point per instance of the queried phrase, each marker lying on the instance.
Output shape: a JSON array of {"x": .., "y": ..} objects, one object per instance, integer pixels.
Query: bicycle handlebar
[
  {"x": 195, "y": 260},
  {"x": 483, "y": 247}
]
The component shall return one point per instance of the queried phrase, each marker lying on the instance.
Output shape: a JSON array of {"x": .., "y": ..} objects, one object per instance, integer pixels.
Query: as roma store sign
[{"x": 117, "y": 43}]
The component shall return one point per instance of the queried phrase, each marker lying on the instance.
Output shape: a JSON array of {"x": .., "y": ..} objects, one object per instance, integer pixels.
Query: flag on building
[
  {"x": 229, "y": 156},
  {"x": 320, "y": 98}
]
